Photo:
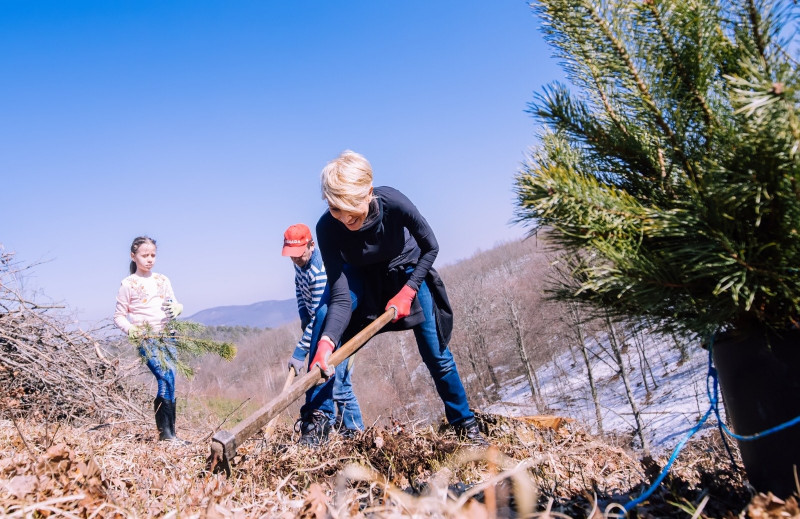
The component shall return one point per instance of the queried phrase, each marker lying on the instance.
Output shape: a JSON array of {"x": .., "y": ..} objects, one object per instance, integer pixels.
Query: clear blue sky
[{"x": 205, "y": 125}]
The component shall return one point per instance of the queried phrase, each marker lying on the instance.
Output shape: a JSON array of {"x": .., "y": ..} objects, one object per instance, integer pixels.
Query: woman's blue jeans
[
  {"x": 440, "y": 362},
  {"x": 160, "y": 356},
  {"x": 437, "y": 358},
  {"x": 337, "y": 391}
]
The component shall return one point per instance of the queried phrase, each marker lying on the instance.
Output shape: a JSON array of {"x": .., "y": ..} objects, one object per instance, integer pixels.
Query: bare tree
[
  {"x": 623, "y": 373},
  {"x": 401, "y": 350},
  {"x": 644, "y": 363},
  {"x": 473, "y": 305},
  {"x": 514, "y": 318},
  {"x": 577, "y": 326}
]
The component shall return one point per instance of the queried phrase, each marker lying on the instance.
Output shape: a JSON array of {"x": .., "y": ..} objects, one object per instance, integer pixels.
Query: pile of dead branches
[{"x": 49, "y": 368}]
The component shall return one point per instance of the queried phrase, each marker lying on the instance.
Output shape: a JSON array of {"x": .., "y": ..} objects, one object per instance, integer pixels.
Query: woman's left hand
[{"x": 402, "y": 302}]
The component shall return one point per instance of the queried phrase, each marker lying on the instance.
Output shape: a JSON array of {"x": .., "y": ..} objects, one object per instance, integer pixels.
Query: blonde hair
[{"x": 347, "y": 181}]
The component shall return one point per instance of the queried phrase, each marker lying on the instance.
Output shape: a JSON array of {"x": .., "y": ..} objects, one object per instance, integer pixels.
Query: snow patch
[{"x": 671, "y": 395}]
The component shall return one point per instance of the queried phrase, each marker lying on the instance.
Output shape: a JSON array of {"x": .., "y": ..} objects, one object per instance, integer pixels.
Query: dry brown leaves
[
  {"x": 120, "y": 471},
  {"x": 770, "y": 507}
]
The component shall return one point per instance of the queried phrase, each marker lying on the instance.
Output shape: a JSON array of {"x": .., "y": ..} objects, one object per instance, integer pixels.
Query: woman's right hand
[{"x": 324, "y": 349}]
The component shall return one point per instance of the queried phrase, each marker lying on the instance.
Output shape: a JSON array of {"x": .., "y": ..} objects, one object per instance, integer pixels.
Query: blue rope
[
  {"x": 712, "y": 392},
  {"x": 652, "y": 488},
  {"x": 713, "y": 396},
  {"x": 748, "y": 437}
]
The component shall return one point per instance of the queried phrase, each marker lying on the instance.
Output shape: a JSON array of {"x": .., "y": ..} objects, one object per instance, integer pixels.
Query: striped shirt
[{"x": 309, "y": 284}]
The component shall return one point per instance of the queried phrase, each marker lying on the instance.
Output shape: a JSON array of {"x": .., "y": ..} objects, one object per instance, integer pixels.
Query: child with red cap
[{"x": 310, "y": 282}]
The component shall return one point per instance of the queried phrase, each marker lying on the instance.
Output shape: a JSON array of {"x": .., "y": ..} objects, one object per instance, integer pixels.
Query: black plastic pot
[{"x": 759, "y": 374}]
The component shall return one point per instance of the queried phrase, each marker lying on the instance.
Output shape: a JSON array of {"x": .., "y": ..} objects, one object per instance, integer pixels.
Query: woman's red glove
[
  {"x": 402, "y": 302},
  {"x": 324, "y": 349}
]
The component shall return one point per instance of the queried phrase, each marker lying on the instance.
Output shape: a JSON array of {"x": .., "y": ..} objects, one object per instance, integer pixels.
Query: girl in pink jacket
[{"x": 145, "y": 304}]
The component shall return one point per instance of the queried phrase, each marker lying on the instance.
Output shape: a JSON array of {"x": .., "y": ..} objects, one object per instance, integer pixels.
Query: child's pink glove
[
  {"x": 324, "y": 349},
  {"x": 402, "y": 302}
]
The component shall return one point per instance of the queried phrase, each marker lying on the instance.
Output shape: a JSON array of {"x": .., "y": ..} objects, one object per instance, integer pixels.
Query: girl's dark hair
[{"x": 137, "y": 242}]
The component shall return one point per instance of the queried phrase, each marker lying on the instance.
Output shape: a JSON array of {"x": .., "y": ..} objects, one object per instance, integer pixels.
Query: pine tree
[
  {"x": 669, "y": 173},
  {"x": 669, "y": 168}
]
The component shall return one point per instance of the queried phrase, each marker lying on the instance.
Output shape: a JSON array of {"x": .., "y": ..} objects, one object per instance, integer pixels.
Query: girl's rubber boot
[
  {"x": 172, "y": 406},
  {"x": 161, "y": 408}
]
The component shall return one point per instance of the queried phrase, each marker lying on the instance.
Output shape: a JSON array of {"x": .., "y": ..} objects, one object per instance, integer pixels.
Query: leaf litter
[{"x": 534, "y": 470}]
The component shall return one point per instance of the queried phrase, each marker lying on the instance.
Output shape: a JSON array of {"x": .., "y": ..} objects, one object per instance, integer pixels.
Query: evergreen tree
[
  {"x": 669, "y": 169},
  {"x": 190, "y": 340}
]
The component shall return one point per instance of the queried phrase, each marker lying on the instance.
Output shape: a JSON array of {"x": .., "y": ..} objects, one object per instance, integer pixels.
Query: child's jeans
[
  {"x": 160, "y": 356},
  {"x": 337, "y": 391}
]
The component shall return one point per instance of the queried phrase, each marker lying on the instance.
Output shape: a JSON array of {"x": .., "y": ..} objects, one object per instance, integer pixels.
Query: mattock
[{"x": 224, "y": 443}]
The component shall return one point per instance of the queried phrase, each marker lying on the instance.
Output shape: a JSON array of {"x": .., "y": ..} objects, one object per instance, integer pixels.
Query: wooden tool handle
[{"x": 229, "y": 441}]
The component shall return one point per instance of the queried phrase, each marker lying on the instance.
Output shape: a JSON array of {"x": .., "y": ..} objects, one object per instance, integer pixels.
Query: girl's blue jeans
[
  {"x": 437, "y": 358},
  {"x": 160, "y": 356}
]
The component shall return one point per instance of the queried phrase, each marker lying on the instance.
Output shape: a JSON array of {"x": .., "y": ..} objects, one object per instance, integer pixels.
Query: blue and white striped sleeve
[
  {"x": 318, "y": 280},
  {"x": 298, "y": 293}
]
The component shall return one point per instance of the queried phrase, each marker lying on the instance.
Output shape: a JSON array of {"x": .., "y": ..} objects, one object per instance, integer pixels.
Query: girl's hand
[
  {"x": 297, "y": 365},
  {"x": 173, "y": 309},
  {"x": 134, "y": 332}
]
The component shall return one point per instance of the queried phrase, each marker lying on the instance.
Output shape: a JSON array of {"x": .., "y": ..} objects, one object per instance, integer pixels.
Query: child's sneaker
[{"x": 313, "y": 429}]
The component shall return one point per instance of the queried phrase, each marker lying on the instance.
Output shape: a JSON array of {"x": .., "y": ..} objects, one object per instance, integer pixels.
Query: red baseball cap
[{"x": 295, "y": 240}]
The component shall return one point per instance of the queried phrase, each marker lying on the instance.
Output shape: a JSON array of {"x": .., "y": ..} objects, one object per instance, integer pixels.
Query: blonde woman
[{"x": 376, "y": 244}]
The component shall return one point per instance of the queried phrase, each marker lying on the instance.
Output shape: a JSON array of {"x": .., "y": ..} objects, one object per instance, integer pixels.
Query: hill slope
[{"x": 264, "y": 314}]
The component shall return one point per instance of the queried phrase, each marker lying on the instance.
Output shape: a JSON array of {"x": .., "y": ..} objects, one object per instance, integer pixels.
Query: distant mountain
[{"x": 265, "y": 314}]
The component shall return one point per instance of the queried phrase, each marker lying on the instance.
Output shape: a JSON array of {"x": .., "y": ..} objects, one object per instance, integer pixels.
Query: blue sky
[{"x": 205, "y": 125}]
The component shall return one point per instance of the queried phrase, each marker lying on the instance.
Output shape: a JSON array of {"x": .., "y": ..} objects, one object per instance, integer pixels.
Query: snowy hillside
[{"x": 671, "y": 396}]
